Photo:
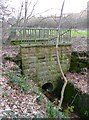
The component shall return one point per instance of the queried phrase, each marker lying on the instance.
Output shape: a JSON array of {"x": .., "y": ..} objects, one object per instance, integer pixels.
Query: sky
[{"x": 52, "y": 7}]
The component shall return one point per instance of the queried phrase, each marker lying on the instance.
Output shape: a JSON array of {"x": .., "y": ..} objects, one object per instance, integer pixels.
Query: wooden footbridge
[{"x": 38, "y": 53}]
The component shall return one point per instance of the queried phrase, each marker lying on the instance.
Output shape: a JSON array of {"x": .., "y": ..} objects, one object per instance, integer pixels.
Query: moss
[
  {"x": 73, "y": 95},
  {"x": 15, "y": 42},
  {"x": 78, "y": 64},
  {"x": 42, "y": 62}
]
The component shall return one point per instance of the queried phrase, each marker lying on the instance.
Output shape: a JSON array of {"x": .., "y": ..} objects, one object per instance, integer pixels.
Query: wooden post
[
  {"x": 34, "y": 34},
  {"x": 48, "y": 35}
]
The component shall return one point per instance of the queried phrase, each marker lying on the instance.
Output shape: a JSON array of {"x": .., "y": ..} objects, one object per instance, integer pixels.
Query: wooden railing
[{"x": 36, "y": 35}]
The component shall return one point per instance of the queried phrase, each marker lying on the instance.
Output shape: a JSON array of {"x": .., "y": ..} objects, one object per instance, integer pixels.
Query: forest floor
[
  {"x": 14, "y": 101},
  {"x": 22, "y": 104},
  {"x": 80, "y": 80}
]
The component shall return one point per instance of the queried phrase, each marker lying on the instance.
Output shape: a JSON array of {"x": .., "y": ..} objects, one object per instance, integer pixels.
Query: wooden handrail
[{"x": 40, "y": 33}]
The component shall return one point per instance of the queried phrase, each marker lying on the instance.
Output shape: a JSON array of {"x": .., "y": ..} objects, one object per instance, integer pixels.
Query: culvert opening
[
  {"x": 48, "y": 92},
  {"x": 47, "y": 87}
]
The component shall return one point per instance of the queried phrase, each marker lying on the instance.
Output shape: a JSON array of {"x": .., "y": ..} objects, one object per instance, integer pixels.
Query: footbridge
[{"x": 38, "y": 53}]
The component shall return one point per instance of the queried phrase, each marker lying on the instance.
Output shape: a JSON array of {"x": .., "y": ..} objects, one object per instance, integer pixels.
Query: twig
[
  {"x": 32, "y": 9},
  {"x": 74, "y": 98},
  {"x": 18, "y": 20}
]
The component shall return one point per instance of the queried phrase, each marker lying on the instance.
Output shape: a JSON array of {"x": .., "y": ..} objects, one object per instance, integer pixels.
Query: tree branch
[
  {"x": 32, "y": 9},
  {"x": 58, "y": 60}
]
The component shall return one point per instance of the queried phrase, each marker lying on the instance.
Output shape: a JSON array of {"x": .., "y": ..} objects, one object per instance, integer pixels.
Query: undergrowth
[
  {"x": 52, "y": 111},
  {"x": 20, "y": 82}
]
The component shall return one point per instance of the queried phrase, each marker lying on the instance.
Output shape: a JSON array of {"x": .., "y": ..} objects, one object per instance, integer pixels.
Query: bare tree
[
  {"x": 24, "y": 17},
  {"x": 19, "y": 15},
  {"x": 5, "y": 12}
]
